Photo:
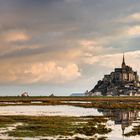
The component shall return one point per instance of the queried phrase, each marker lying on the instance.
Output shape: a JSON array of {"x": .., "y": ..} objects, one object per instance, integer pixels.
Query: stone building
[{"x": 122, "y": 81}]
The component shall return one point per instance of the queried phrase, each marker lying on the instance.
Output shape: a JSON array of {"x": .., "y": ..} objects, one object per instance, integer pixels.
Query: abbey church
[{"x": 122, "y": 81}]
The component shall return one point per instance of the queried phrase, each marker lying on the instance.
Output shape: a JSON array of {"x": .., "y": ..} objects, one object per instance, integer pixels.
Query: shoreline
[{"x": 86, "y": 102}]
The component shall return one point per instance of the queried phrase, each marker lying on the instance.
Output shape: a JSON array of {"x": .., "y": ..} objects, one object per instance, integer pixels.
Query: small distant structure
[
  {"x": 25, "y": 94},
  {"x": 51, "y": 95}
]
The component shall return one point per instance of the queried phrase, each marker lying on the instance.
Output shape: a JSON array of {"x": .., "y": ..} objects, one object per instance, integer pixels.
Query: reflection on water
[{"x": 124, "y": 118}]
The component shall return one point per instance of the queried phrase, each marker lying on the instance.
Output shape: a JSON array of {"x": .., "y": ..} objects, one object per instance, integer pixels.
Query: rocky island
[{"x": 122, "y": 81}]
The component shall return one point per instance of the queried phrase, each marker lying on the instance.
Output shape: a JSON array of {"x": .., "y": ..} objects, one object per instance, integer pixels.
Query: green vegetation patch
[
  {"x": 4, "y": 121},
  {"x": 92, "y": 128},
  {"x": 51, "y": 126}
]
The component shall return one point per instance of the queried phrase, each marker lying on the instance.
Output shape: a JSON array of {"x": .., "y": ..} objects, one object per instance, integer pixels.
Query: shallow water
[
  {"x": 50, "y": 110},
  {"x": 74, "y": 102},
  {"x": 122, "y": 122}
]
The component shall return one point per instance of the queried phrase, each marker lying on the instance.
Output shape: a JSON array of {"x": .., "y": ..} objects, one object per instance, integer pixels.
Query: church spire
[
  {"x": 123, "y": 62},
  {"x": 123, "y": 58}
]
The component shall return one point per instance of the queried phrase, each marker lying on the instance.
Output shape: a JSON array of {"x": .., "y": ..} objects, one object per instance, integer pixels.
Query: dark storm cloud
[
  {"x": 59, "y": 14},
  {"x": 75, "y": 19},
  {"x": 47, "y": 21}
]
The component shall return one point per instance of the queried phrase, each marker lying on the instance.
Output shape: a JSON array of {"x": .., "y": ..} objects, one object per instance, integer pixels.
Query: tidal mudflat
[
  {"x": 74, "y": 119},
  {"x": 86, "y": 123}
]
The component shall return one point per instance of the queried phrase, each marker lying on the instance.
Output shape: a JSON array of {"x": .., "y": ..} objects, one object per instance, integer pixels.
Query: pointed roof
[
  {"x": 123, "y": 62},
  {"x": 123, "y": 58}
]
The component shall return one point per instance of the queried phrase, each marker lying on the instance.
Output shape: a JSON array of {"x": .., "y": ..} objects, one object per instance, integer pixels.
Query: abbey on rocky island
[{"x": 122, "y": 81}]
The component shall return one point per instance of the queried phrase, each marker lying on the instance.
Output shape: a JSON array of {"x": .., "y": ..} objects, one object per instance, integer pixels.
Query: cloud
[
  {"x": 88, "y": 42},
  {"x": 133, "y": 31},
  {"x": 95, "y": 47},
  {"x": 114, "y": 60},
  {"x": 39, "y": 73},
  {"x": 53, "y": 73},
  {"x": 14, "y": 36},
  {"x": 134, "y": 17},
  {"x": 130, "y": 26}
]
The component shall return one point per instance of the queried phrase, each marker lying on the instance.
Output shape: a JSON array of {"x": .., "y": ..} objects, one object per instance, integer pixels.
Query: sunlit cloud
[
  {"x": 13, "y": 36},
  {"x": 87, "y": 43},
  {"x": 134, "y": 17},
  {"x": 134, "y": 31},
  {"x": 115, "y": 60},
  {"x": 39, "y": 73}
]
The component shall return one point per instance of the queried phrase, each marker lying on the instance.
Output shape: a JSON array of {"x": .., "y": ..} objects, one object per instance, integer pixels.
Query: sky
[{"x": 65, "y": 46}]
